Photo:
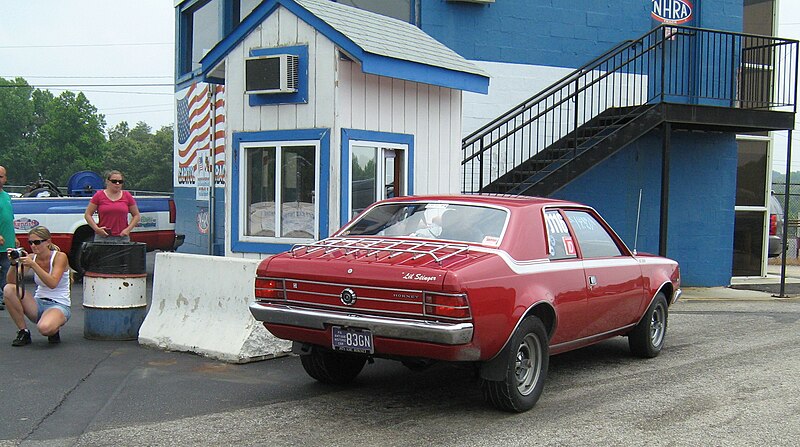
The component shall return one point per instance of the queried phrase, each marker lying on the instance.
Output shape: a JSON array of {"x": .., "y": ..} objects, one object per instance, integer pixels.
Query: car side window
[
  {"x": 560, "y": 244},
  {"x": 593, "y": 238}
]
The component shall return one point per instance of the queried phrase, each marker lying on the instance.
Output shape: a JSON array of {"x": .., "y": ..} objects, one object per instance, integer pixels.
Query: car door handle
[{"x": 592, "y": 280}]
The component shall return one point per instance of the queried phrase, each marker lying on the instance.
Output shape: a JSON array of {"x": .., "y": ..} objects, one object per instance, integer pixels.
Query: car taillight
[
  {"x": 773, "y": 224},
  {"x": 172, "y": 211},
  {"x": 270, "y": 289},
  {"x": 453, "y": 306}
]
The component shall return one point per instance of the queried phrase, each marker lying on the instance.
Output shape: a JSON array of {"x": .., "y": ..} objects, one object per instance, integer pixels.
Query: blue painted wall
[
  {"x": 188, "y": 210},
  {"x": 557, "y": 33},
  {"x": 570, "y": 33},
  {"x": 701, "y": 201}
]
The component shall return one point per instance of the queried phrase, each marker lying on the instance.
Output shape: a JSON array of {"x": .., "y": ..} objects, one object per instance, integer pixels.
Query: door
[{"x": 615, "y": 289}]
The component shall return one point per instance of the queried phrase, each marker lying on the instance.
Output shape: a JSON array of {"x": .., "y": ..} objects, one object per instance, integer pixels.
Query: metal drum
[{"x": 114, "y": 290}]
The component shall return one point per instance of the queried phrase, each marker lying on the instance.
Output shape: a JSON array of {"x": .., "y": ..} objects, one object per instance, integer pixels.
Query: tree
[
  {"x": 145, "y": 158},
  {"x": 57, "y": 136},
  {"x": 16, "y": 128}
]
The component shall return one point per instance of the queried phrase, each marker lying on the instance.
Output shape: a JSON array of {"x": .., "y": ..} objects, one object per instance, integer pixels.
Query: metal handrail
[{"x": 666, "y": 64}]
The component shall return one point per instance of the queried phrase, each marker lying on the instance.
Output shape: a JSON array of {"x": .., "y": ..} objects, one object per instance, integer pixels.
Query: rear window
[{"x": 440, "y": 221}]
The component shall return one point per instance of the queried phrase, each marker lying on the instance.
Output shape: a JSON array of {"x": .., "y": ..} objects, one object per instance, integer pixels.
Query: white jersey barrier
[{"x": 200, "y": 304}]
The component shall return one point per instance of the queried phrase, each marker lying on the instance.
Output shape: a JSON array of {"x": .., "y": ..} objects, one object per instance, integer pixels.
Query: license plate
[{"x": 352, "y": 340}]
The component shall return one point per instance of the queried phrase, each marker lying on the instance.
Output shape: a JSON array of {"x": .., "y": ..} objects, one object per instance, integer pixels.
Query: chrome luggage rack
[{"x": 380, "y": 248}]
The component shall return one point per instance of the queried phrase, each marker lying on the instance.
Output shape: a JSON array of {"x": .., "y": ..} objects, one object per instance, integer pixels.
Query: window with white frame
[
  {"x": 377, "y": 171},
  {"x": 280, "y": 182}
]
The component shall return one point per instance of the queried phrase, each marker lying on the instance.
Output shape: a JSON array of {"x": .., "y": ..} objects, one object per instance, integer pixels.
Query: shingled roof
[{"x": 383, "y": 45}]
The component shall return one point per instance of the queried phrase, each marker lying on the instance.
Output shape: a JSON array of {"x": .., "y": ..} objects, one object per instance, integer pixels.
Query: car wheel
[
  {"x": 526, "y": 369},
  {"x": 332, "y": 367},
  {"x": 647, "y": 338}
]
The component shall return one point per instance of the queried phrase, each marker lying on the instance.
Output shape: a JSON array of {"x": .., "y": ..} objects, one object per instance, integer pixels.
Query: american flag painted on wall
[{"x": 193, "y": 131}]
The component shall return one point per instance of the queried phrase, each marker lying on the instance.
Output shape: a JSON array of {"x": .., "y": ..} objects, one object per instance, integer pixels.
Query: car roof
[{"x": 509, "y": 201}]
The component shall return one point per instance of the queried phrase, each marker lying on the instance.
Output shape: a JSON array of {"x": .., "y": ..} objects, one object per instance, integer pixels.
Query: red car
[{"x": 497, "y": 282}]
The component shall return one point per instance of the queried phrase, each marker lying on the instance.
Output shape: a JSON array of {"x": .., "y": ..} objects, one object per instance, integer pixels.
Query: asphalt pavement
[
  {"x": 54, "y": 394},
  {"x": 51, "y": 394}
]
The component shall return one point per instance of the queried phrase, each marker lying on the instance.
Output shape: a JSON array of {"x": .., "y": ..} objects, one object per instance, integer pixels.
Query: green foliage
[
  {"x": 56, "y": 136},
  {"x": 144, "y": 157}
]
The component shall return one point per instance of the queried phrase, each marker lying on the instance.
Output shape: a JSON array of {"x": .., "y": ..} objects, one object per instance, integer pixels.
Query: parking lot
[{"x": 727, "y": 376}]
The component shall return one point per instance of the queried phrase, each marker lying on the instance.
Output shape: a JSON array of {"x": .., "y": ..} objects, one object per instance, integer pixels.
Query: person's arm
[
  {"x": 51, "y": 279},
  {"x": 135, "y": 218},
  {"x": 11, "y": 275},
  {"x": 89, "y": 217}
]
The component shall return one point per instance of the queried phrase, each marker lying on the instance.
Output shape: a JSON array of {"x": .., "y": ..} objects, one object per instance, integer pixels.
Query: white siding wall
[
  {"x": 341, "y": 96},
  {"x": 432, "y": 114},
  {"x": 280, "y": 29}
]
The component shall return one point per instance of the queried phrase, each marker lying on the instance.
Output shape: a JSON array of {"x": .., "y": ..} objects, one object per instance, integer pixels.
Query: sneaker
[
  {"x": 53, "y": 339},
  {"x": 23, "y": 338}
]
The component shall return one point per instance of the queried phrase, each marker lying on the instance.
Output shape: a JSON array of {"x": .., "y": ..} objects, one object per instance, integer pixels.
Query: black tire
[
  {"x": 647, "y": 338},
  {"x": 332, "y": 367},
  {"x": 417, "y": 364},
  {"x": 75, "y": 256},
  {"x": 527, "y": 363}
]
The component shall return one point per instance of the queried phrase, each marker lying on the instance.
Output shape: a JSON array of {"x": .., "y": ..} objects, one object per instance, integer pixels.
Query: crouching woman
[{"x": 49, "y": 306}]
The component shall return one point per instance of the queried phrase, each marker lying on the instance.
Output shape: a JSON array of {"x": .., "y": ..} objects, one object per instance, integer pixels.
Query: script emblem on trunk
[{"x": 348, "y": 297}]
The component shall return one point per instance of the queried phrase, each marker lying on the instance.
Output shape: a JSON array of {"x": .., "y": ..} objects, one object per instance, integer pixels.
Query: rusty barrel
[{"x": 114, "y": 290}]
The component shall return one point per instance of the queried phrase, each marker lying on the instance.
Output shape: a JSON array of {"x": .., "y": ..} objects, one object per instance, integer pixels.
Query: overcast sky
[{"x": 102, "y": 47}]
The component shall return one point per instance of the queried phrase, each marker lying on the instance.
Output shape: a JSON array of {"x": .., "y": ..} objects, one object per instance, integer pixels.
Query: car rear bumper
[{"x": 414, "y": 330}]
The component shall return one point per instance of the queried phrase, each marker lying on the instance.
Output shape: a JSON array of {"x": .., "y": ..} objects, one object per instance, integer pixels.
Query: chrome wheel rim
[
  {"x": 657, "y": 325},
  {"x": 528, "y": 364}
]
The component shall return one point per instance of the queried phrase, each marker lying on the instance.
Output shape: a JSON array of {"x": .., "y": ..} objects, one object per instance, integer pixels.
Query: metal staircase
[{"x": 695, "y": 78}]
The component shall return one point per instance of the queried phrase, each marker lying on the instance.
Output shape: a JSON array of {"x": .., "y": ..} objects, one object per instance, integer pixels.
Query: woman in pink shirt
[{"x": 112, "y": 206}]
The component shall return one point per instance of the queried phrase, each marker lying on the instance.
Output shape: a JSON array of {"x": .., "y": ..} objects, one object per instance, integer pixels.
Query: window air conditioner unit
[{"x": 276, "y": 73}]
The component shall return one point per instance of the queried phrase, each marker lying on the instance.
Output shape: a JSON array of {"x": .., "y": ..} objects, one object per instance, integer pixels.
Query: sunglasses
[
  {"x": 36, "y": 241},
  {"x": 117, "y": 182}
]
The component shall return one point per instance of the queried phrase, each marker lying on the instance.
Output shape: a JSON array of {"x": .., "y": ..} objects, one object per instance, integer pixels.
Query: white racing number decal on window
[{"x": 560, "y": 244}]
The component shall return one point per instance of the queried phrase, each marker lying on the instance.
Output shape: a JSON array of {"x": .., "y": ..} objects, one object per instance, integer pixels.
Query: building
[{"x": 636, "y": 107}]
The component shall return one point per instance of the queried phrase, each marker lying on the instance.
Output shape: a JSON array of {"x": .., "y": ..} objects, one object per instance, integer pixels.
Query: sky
[{"x": 120, "y": 53}]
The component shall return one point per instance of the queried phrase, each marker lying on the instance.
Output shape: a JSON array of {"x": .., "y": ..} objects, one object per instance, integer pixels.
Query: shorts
[{"x": 43, "y": 304}]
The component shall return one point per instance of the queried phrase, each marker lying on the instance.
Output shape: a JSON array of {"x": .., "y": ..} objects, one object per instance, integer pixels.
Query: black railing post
[
  {"x": 480, "y": 169},
  {"x": 575, "y": 118},
  {"x": 663, "y": 31},
  {"x": 794, "y": 85},
  {"x": 733, "y": 79},
  {"x": 786, "y": 212}
]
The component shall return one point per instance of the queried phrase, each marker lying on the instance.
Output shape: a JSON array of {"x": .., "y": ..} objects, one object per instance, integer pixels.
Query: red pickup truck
[{"x": 500, "y": 283}]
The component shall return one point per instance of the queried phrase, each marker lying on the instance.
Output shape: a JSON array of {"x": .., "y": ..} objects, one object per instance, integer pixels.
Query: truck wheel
[
  {"x": 75, "y": 256},
  {"x": 647, "y": 338},
  {"x": 332, "y": 367},
  {"x": 526, "y": 370}
]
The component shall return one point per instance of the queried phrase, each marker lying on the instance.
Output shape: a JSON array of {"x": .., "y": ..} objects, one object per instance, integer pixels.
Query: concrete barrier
[{"x": 200, "y": 305}]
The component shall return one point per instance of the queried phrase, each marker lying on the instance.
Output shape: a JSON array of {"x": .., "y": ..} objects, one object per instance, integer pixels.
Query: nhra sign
[{"x": 672, "y": 12}]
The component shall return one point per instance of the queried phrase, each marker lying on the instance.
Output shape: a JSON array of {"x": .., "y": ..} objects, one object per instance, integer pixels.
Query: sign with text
[{"x": 672, "y": 12}]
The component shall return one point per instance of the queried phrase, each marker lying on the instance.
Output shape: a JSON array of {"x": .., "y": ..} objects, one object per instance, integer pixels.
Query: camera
[{"x": 16, "y": 253}]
